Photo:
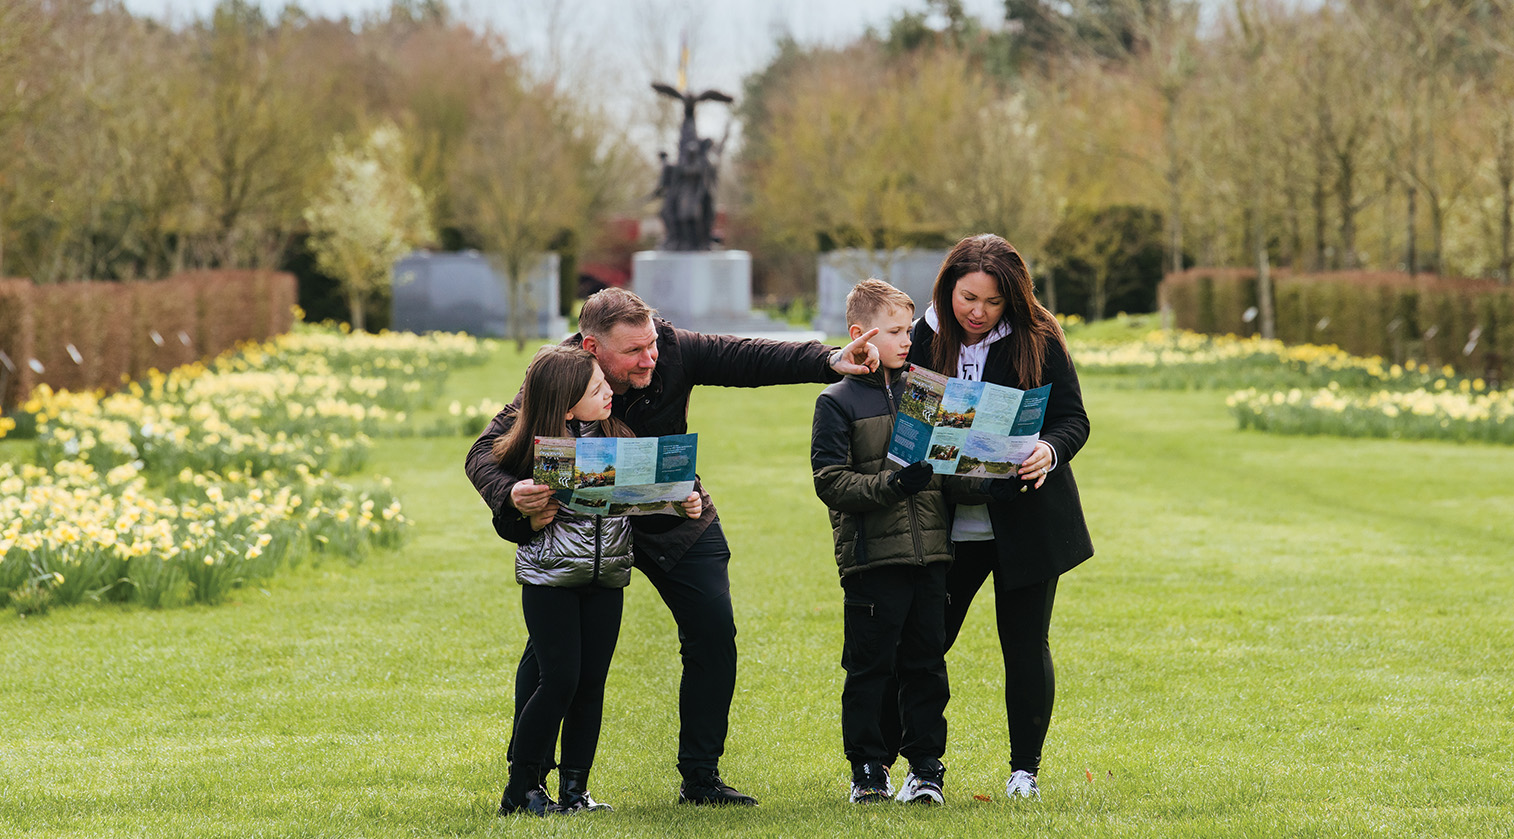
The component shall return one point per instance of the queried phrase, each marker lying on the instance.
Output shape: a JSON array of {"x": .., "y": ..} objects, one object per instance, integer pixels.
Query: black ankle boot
[
  {"x": 704, "y": 786},
  {"x": 525, "y": 793},
  {"x": 573, "y": 792}
]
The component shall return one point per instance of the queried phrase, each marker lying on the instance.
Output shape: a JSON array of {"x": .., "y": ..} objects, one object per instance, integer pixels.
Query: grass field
[{"x": 1279, "y": 636}]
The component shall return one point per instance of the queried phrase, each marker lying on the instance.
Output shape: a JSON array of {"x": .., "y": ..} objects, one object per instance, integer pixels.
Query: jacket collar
[{"x": 878, "y": 378}]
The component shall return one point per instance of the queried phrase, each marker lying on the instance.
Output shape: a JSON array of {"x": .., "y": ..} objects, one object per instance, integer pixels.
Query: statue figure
[{"x": 687, "y": 186}]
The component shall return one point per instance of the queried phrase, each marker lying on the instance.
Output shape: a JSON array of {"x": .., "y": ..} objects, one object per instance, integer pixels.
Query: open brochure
[
  {"x": 962, "y": 427},
  {"x": 618, "y": 476}
]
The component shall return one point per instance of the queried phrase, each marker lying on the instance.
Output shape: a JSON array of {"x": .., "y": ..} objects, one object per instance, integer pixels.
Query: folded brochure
[
  {"x": 618, "y": 476},
  {"x": 962, "y": 427}
]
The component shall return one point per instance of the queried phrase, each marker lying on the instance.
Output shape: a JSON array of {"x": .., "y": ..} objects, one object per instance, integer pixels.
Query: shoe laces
[
  {"x": 931, "y": 776},
  {"x": 1022, "y": 783}
]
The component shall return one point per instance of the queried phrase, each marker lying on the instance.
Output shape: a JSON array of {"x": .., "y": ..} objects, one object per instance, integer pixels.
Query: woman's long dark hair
[
  {"x": 555, "y": 381},
  {"x": 1032, "y": 326}
]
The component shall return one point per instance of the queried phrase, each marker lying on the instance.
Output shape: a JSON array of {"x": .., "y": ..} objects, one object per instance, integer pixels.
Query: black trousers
[
  {"x": 697, "y": 590},
  {"x": 894, "y": 652},
  {"x": 574, "y": 631},
  {"x": 1023, "y": 615}
]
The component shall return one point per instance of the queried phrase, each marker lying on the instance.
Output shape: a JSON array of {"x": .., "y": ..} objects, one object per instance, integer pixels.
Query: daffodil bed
[
  {"x": 1311, "y": 389},
  {"x": 185, "y": 486}
]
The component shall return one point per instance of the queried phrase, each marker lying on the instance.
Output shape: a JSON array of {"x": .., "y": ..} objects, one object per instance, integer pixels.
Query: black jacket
[
  {"x": 874, "y": 524},
  {"x": 1042, "y": 533},
  {"x": 684, "y": 359}
]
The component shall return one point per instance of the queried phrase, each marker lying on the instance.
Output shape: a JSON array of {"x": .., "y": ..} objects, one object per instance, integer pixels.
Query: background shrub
[{"x": 111, "y": 326}]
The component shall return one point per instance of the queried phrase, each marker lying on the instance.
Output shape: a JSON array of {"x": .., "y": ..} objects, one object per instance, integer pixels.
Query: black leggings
[
  {"x": 574, "y": 631},
  {"x": 1024, "y": 618},
  {"x": 697, "y": 590}
]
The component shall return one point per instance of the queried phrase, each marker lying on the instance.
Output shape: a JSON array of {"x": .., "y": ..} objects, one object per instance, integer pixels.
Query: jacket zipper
[
  {"x": 909, "y": 501},
  {"x": 598, "y": 533}
]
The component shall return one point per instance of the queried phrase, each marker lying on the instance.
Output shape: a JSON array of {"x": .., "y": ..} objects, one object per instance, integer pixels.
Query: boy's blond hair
[{"x": 871, "y": 298}]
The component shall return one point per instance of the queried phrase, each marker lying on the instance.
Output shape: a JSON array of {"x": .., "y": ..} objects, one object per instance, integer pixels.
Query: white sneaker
[
  {"x": 1022, "y": 784},
  {"x": 922, "y": 789}
]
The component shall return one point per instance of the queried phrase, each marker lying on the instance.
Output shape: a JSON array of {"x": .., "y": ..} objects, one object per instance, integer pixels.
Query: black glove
[
  {"x": 912, "y": 478},
  {"x": 1007, "y": 489}
]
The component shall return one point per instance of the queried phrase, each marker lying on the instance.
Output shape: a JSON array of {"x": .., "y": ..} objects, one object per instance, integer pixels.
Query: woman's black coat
[{"x": 1041, "y": 533}]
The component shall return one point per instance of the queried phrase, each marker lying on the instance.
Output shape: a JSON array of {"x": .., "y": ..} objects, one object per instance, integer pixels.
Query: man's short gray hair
[{"x": 611, "y": 306}]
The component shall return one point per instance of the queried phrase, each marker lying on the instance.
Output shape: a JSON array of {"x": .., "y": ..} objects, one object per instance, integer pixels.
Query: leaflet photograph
[
  {"x": 962, "y": 427},
  {"x": 618, "y": 476}
]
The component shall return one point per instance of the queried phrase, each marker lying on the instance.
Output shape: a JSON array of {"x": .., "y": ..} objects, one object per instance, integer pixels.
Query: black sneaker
[
  {"x": 923, "y": 786},
  {"x": 536, "y": 802},
  {"x": 705, "y": 787},
  {"x": 870, "y": 784}
]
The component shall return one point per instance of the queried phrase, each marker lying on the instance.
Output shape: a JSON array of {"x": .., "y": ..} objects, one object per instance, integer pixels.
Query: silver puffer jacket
[{"x": 577, "y": 549}]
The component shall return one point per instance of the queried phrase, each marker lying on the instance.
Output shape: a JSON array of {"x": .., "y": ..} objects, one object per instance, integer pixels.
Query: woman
[{"x": 984, "y": 324}]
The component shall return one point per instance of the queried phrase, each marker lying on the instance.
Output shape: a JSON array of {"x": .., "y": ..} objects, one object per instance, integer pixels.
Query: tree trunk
[
  {"x": 1437, "y": 235},
  {"x": 1263, "y": 279},
  {"x": 1321, "y": 208},
  {"x": 517, "y": 317},
  {"x": 1411, "y": 251},
  {"x": 1505, "y": 197},
  {"x": 1505, "y": 227},
  {"x": 1174, "y": 192},
  {"x": 1295, "y": 231},
  {"x": 1345, "y": 190},
  {"x": 356, "y": 313}
]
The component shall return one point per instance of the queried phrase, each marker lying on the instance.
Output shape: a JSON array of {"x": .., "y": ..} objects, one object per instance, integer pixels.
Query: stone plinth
[
  {"x": 909, "y": 270},
  {"x": 463, "y": 292},
  {"x": 707, "y": 291}
]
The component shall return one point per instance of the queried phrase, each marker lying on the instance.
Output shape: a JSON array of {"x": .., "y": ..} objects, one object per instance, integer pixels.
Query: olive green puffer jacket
[{"x": 875, "y": 524}]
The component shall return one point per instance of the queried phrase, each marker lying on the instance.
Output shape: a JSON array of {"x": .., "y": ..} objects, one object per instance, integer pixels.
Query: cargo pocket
[{"x": 862, "y": 627}]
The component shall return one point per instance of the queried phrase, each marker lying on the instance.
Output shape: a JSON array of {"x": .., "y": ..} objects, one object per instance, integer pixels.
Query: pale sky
[
  {"x": 615, "y": 48},
  {"x": 729, "y": 38}
]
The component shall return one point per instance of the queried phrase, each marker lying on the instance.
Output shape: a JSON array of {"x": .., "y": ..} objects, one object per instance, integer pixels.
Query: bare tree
[
  {"x": 1003, "y": 184},
  {"x": 518, "y": 182},
  {"x": 1418, "y": 46},
  {"x": 22, "y": 27},
  {"x": 1164, "y": 58},
  {"x": 1344, "y": 122},
  {"x": 255, "y": 154},
  {"x": 1255, "y": 88},
  {"x": 1494, "y": 96}
]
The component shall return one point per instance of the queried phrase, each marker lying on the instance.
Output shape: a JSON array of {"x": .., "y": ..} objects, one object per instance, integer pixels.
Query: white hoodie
[{"x": 971, "y": 523}]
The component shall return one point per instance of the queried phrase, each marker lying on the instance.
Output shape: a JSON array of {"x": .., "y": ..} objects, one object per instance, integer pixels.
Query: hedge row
[
  {"x": 122, "y": 330},
  {"x": 1467, "y": 324}
]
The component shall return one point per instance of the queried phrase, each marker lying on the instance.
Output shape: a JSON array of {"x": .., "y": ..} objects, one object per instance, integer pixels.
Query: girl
[
  {"x": 572, "y": 573},
  {"x": 985, "y": 324}
]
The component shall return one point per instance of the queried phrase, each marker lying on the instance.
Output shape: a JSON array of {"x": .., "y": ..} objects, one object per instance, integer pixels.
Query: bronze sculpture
[{"x": 687, "y": 186}]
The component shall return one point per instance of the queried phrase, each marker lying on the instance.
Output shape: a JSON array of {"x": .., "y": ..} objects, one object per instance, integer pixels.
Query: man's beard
[{"x": 629, "y": 382}]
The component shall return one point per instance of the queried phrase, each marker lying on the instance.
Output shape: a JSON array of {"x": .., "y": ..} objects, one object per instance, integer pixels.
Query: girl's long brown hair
[
  {"x": 556, "y": 379},
  {"x": 1032, "y": 326}
]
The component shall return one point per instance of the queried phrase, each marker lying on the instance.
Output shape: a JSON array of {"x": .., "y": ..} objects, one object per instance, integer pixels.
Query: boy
[{"x": 893, "y": 543}]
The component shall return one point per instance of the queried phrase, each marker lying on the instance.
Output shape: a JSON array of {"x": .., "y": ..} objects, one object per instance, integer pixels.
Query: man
[{"x": 652, "y": 368}]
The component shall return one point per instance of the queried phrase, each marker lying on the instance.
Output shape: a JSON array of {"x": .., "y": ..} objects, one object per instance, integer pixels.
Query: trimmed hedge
[
  {"x": 1467, "y": 324},
  {"x": 119, "y": 331}
]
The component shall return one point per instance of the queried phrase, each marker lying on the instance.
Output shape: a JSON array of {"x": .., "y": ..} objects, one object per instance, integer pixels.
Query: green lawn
[{"x": 1278, "y": 636}]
